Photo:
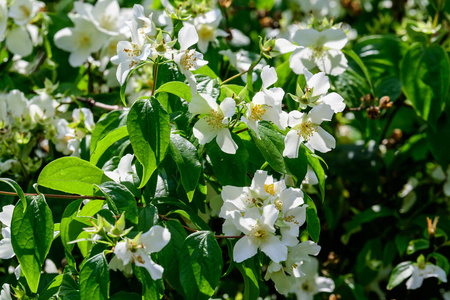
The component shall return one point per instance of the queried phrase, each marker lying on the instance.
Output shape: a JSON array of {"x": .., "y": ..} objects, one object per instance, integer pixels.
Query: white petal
[
  {"x": 228, "y": 107},
  {"x": 187, "y": 36},
  {"x": 320, "y": 84},
  {"x": 284, "y": 46},
  {"x": 18, "y": 41},
  {"x": 203, "y": 131},
  {"x": 155, "y": 239},
  {"x": 307, "y": 37},
  {"x": 415, "y": 281},
  {"x": 295, "y": 118},
  {"x": 201, "y": 105},
  {"x": 269, "y": 216},
  {"x": 333, "y": 63},
  {"x": 121, "y": 250},
  {"x": 292, "y": 143},
  {"x": 225, "y": 141},
  {"x": 322, "y": 141},
  {"x": 144, "y": 260},
  {"x": 275, "y": 249},
  {"x": 335, "y": 38},
  {"x": 320, "y": 113},
  {"x": 268, "y": 76},
  {"x": 335, "y": 101},
  {"x": 300, "y": 59},
  {"x": 244, "y": 249},
  {"x": 6, "y": 215},
  {"x": 324, "y": 284}
]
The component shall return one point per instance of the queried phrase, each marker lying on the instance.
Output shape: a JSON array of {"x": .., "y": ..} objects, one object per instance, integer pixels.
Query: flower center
[
  {"x": 85, "y": 41},
  {"x": 291, "y": 219},
  {"x": 257, "y": 111},
  {"x": 214, "y": 120},
  {"x": 307, "y": 286},
  {"x": 279, "y": 204},
  {"x": 269, "y": 188},
  {"x": 188, "y": 59},
  {"x": 259, "y": 234},
  {"x": 133, "y": 52},
  {"x": 140, "y": 259},
  {"x": 306, "y": 129},
  {"x": 25, "y": 10},
  {"x": 206, "y": 32}
]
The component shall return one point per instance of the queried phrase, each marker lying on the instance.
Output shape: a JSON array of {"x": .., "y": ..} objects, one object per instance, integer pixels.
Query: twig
[
  {"x": 56, "y": 196},
  {"x": 100, "y": 105},
  {"x": 242, "y": 73}
]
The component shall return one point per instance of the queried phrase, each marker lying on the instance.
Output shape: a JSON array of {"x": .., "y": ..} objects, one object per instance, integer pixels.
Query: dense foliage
[{"x": 225, "y": 149}]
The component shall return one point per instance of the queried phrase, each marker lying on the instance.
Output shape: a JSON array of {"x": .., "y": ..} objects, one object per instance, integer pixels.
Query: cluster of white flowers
[
  {"x": 270, "y": 215},
  {"x": 35, "y": 122},
  {"x": 21, "y": 34}
]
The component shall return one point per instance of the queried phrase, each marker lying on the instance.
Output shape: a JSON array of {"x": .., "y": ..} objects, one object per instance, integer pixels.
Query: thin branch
[
  {"x": 242, "y": 130},
  {"x": 244, "y": 72},
  {"x": 103, "y": 198},
  {"x": 56, "y": 196},
  {"x": 93, "y": 103}
]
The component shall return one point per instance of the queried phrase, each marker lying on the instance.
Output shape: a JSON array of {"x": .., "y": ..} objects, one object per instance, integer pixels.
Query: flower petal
[
  {"x": 268, "y": 76},
  {"x": 244, "y": 249},
  {"x": 275, "y": 249},
  {"x": 187, "y": 36},
  {"x": 155, "y": 239},
  {"x": 226, "y": 142}
]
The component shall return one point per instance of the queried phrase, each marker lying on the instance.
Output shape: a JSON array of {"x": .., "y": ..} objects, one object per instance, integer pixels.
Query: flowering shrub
[{"x": 224, "y": 149}]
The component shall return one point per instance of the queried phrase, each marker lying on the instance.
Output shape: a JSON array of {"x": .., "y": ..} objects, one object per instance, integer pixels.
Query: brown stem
[
  {"x": 242, "y": 130},
  {"x": 56, "y": 196},
  {"x": 100, "y": 105},
  {"x": 195, "y": 230}
]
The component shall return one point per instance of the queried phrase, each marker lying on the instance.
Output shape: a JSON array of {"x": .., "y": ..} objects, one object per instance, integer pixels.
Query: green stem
[
  {"x": 242, "y": 73},
  {"x": 155, "y": 76}
]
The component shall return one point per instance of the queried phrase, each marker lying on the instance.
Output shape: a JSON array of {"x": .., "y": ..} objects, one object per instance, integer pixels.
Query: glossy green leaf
[
  {"x": 123, "y": 88},
  {"x": 441, "y": 261},
  {"x": 107, "y": 141},
  {"x": 72, "y": 175},
  {"x": 16, "y": 187},
  {"x": 31, "y": 237},
  {"x": 69, "y": 214},
  {"x": 151, "y": 289},
  {"x": 148, "y": 217},
  {"x": 200, "y": 265},
  {"x": 425, "y": 76},
  {"x": 176, "y": 88},
  {"x": 251, "y": 283},
  {"x": 170, "y": 256},
  {"x": 271, "y": 146},
  {"x": 229, "y": 169},
  {"x": 417, "y": 245},
  {"x": 185, "y": 156},
  {"x": 149, "y": 129},
  {"x": 120, "y": 200},
  {"x": 436, "y": 141},
  {"x": 314, "y": 162},
  {"x": 312, "y": 219},
  {"x": 399, "y": 274},
  {"x": 297, "y": 166},
  {"x": 94, "y": 278},
  {"x": 106, "y": 124}
]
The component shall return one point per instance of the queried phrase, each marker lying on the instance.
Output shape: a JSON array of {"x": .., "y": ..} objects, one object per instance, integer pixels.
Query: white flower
[
  {"x": 18, "y": 41},
  {"x": 305, "y": 287},
  {"x": 189, "y": 60},
  {"x": 85, "y": 116},
  {"x": 3, "y": 18},
  {"x": 42, "y": 108},
  {"x": 419, "y": 273},
  {"x": 6, "y": 165},
  {"x": 81, "y": 40},
  {"x": 318, "y": 48},
  {"x": 139, "y": 249},
  {"x": 128, "y": 57},
  {"x": 5, "y": 294},
  {"x": 6, "y": 249},
  {"x": 23, "y": 11},
  {"x": 293, "y": 215},
  {"x": 238, "y": 39},
  {"x": 439, "y": 174},
  {"x": 206, "y": 25},
  {"x": 64, "y": 134},
  {"x": 266, "y": 105},
  {"x": 142, "y": 27},
  {"x": 322, "y": 8},
  {"x": 17, "y": 104},
  {"x": 213, "y": 121},
  {"x": 125, "y": 170},
  {"x": 305, "y": 127},
  {"x": 259, "y": 233}
]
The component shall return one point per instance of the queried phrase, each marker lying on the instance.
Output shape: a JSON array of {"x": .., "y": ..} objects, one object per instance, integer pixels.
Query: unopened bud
[
  {"x": 373, "y": 112},
  {"x": 385, "y": 102}
]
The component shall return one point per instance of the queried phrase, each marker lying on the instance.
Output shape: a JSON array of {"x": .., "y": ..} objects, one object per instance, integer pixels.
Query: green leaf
[
  {"x": 251, "y": 284},
  {"x": 201, "y": 265},
  {"x": 149, "y": 129},
  {"x": 312, "y": 219},
  {"x": 125, "y": 296},
  {"x": 361, "y": 64},
  {"x": 107, "y": 141},
  {"x": 16, "y": 187},
  {"x": 176, "y": 88},
  {"x": 69, "y": 289},
  {"x": 123, "y": 88},
  {"x": 31, "y": 237},
  {"x": 94, "y": 278},
  {"x": 185, "y": 156},
  {"x": 297, "y": 166},
  {"x": 417, "y": 245},
  {"x": 51, "y": 289},
  {"x": 170, "y": 256},
  {"x": 271, "y": 146},
  {"x": 437, "y": 144},
  {"x": 151, "y": 289},
  {"x": 72, "y": 175},
  {"x": 148, "y": 217},
  {"x": 106, "y": 124},
  {"x": 400, "y": 273},
  {"x": 69, "y": 214},
  {"x": 425, "y": 76},
  {"x": 314, "y": 162},
  {"x": 120, "y": 200},
  {"x": 230, "y": 169}
]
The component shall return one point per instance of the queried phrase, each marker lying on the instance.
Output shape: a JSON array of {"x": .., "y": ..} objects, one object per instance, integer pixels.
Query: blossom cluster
[
  {"x": 270, "y": 215},
  {"x": 35, "y": 122}
]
